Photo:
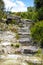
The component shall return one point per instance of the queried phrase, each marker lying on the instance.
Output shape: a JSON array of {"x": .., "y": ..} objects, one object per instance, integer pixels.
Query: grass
[
  {"x": 16, "y": 45},
  {"x": 17, "y": 36}
]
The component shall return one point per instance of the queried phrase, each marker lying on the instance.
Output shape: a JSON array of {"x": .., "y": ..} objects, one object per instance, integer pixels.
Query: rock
[
  {"x": 29, "y": 49},
  {"x": 11, "y": 17},
  {"x": 33, "y": 60},
  {"x": 18, "y": 51},
  {"x": 24, "y": 40},
  {"x": 7, "y": 36}
]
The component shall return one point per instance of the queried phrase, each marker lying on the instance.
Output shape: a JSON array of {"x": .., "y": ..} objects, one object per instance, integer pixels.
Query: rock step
[
  {"x": 30, "y": 49},
  {"x": 24, "y": 30},
  {"x": 21, "y": 40},
  {"x": 26, "y": 21},
  {"x": 24, "y": 33},
  {"x": 24, "y": 36}
]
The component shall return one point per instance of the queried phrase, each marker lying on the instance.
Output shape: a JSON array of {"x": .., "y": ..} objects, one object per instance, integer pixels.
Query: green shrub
[
  {"x": 20, "y": 25},
  {"x": 39, "y": 52},
  {"x": 0, "y": 40},
  {"x": 37, "y": 32},
  {"x": 13, "y": 22},
  {"x": 42, "y": 43},
  {"x": 35, "y": 16},
  {"x": 12, "y": 45},
  {"x": 17, "y": 45},
  {"x": 17, "y": 36}
]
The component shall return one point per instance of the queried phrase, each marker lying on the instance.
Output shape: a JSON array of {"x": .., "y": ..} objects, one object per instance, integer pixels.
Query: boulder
[{"x": 30, "y": 49}]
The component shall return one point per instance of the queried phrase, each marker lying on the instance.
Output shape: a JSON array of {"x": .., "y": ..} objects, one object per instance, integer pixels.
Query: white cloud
[{"x": 17, "y": 6}]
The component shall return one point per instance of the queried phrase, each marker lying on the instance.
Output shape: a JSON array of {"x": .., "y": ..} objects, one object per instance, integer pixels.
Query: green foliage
[
  {"x": 32, "y": 14},
  {"x": 12, "y": 45},
  {"x": 1, "y": 8},
  {"x": 37, "y": 32},
  {"x": 38, "y": 4},
  {"x": 35, "y": 16},
  {"x": 30, "y": 9},
  {"x": 18, "y": 13},
  {"x": 38, "y": 53},
  {"x": 40, "y": 13},
  {"x": 39, "y": 8},
  {"x": 20, "y": 25},
  {"x": 24, "y": 15},
  {"x": 13, "y": 22},
  {"x": 29, "y": 16},
  {"x": 16, "y": 45},
  {"x": 17, "y": 36},
  {"x": 42, "y": 43},
  {"x": 5, "y": 15}
]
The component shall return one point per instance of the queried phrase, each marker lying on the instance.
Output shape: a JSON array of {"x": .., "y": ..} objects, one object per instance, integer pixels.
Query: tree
[
  {"x": 39, "y": 8},
  {"x": 1, "y": 8},
  {"x": 30, "y": 9}
]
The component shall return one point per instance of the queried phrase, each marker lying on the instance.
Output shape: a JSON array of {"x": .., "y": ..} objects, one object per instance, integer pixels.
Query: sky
[{"x": 18, "y": 5}]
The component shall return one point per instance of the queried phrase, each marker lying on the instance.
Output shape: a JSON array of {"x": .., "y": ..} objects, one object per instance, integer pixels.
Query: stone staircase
[{"x": 24, "y": 32}]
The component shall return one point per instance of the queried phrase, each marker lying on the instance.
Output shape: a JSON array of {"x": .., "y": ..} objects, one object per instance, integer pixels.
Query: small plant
[
  {"x": 17, "y": 45},
  {"x": 0, "y": 40},
  {"x": 12, "y": 44},
  {"x": 20, "y": 25},
  {"x": 38, "y": 53},
  {"x": 17, "y": 36}
]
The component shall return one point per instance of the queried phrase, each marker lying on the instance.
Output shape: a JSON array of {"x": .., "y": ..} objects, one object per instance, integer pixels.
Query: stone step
[
  {"x": 24, "y": 33},
  {"x": 23, "y": 30},
  {"x": 26, "y": 21},
  {"x": 30, "y": 49},
  {"x": 24, "y": 36},
  {"x": 21, "y": 40}
]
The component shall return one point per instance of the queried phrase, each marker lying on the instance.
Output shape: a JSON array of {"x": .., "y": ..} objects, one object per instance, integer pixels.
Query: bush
[
  {"x": 35, "y": 16},
  {"x": 42, "y": 43},
  {"x": 39, "y": 52},
  {"x": 12, "y": 45},
  {"x": 17, "y": 36},
  {"x": 13, "y": 22},
  {"x": 37, "y": 32},
  {"x": 17, "y": 45}
]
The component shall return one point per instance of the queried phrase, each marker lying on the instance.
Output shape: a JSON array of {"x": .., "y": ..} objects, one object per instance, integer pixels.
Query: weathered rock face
[
  {"x": 30, "y": 49},
  {"x": 24, "y": 32},
  {"x": 7, "y": 36},
  {"x": 20, "y": 60},
  {"x": 10, "y": 18}
]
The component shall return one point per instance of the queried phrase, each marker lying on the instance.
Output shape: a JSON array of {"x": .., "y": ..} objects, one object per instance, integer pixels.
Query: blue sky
[
  {"x": 27, "y": 2},
  {"x": 18, "y": 5}
]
